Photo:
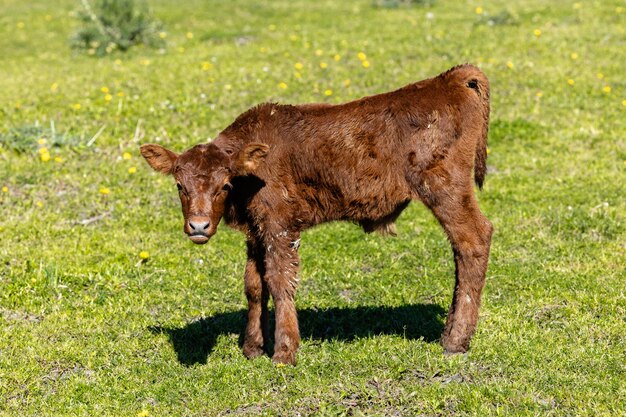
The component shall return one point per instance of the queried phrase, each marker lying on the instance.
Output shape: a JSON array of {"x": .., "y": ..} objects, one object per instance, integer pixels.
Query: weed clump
[
  {"x": 110, "y": 25},
  {"x": 393, "y": 4},
  {"x": 503, "y": 18},
  {"x": 25, "y": 138}
]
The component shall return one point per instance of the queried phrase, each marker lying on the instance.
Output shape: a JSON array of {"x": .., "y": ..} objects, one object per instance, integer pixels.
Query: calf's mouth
[{"x": 199, "y": 239}]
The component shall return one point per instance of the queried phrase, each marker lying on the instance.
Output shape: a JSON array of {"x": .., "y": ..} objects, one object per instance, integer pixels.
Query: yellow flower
[
  {"x": 297, "y": 75},
  {"x": 144, "y": 254},
  {"x": 478, "y": 10},
  {"x": 623, "y": 102},
  {"x": 319, "y": 52},
  {"x": 282, "y": 85},
  {"x": 132, "y": 170},
  {"x": 108, "y": 97},
  {"x": 600, "y": 76},
  {"x": 361, "y": 56},
  {"x": 54, "y": 87},
  {"x": 118, "y": 62},
  {"x": 120, "y": 94},
  {"x": 509, "y": 64},
  {"x": 162, "y": 35},
  {"x": 298, "y": 66},
  {"x": 293, "y": 37},
  {"x": 337, "y": 57},
  {"x": 181, "y": 49},
  {"x": 20, "y": 25},
  {"x": 574, "y": 56},
  {"x": 45, "y": 157},
  {"x": 578, "y": 5},
  {"x": 5, "y": 189},
  {"x": 328, "y": 92},
  {"x": 619, "y": 10},
  {"x": 206, "y": 66},
  {"x": 366, "y": 64},
  {"x": 76, "y": 106},
  {"x": 58, "y": 159},
  {"x": 39, "y": 204},
  {"x": 488, "y": 151},
  {"x": 263, "y": 50},
  {"x": 189, "y": 35},
  {"x": 570, "y": 81},
  {"x": 42, "y": 141},
  {"x": 228, "y": 87},
  {"x": 104, "y": 90},
  {"x": 143, "y": 413},
  {"x": 104, "y": 190},
  {"x": 539, "y": 94},
  {"x": 126, "y": 155},
  {"x": 272, "y": 27},
  {"x": 43, "y": 150},
  {"x": 323, "y": 65},
  {"x": 606, "y": 89},
  {"x": 537, "y": 32},
  {"x": 145, "y": 62},
  {"x": 346, "y": 82}
]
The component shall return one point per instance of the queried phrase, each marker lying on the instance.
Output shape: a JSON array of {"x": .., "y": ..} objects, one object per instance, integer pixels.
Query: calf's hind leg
[{"x": 469, "y": 232}]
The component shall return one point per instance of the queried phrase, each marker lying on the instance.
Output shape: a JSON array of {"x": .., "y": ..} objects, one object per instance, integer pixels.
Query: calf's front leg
[
  {"x": 257, "y": 334},
  {"x": 282, "y": 262}
]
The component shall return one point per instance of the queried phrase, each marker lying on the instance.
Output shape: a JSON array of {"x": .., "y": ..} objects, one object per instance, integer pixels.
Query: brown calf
[{"x": 280, "y": 169}]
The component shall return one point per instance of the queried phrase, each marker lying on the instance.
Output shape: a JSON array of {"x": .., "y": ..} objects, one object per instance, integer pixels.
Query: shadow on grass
[{"x": 195, "y": 341}]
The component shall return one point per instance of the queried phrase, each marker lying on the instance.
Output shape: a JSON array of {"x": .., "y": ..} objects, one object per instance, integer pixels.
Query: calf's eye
[{"x": 180, "y": 187}]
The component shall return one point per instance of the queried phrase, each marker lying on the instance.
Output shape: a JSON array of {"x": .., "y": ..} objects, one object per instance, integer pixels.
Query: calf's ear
[
  {"x": 159, "y": 158},
  {"x": 251, "y": 157}
]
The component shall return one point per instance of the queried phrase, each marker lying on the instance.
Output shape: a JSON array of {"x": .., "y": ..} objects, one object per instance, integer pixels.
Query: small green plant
[{"x": 112, "y": 25}]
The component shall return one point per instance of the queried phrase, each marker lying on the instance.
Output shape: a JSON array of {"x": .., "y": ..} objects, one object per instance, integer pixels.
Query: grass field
[{"x": 88, "y": 327}]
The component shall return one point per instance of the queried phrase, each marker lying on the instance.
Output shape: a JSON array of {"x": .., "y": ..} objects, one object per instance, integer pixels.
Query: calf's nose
[{"x": 198, "y": 226}]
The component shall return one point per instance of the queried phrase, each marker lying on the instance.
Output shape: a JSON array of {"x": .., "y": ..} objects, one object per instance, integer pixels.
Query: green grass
[{"x": 87, "y": 328}]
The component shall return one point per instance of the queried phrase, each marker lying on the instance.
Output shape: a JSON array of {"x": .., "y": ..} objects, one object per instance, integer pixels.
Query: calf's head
[{"x": 203, "y": 175}]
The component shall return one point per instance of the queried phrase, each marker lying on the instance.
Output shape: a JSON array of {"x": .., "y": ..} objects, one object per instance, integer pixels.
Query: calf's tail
[
  {"x": 480, "y": 157},
  {"x": 477, "y": 85}
]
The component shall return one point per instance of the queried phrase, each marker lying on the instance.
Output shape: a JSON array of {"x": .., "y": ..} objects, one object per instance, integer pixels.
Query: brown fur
[{"x": 279, "y": 169}]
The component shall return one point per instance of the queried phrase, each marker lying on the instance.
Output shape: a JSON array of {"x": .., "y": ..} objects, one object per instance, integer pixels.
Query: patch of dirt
[{"x": 13, "y": 315}]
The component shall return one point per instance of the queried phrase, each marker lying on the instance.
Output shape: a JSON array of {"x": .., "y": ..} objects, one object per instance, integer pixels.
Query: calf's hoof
[
  {"x": 447, "y": 352},
  {"x": 284, "y": 358},
  {"x": 453, "y": 346},
  {"x": 252, "y": 351}
]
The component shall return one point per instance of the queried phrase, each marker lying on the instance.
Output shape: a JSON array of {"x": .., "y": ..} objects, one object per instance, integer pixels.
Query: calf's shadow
[{"x": 195, "y": 341}]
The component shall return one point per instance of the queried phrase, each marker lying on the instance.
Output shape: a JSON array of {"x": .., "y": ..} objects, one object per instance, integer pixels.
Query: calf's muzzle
[{"x": 197, "y": 228}]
